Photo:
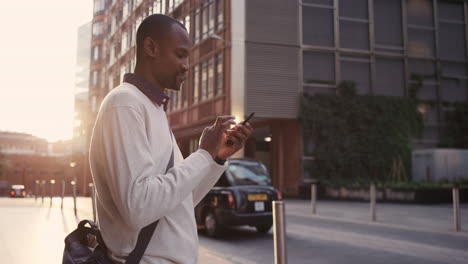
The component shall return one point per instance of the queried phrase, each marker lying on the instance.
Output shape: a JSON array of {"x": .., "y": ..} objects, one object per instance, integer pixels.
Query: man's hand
[
  {"x": 238, "y": 135},
  {"x": 213, "y": 137}
]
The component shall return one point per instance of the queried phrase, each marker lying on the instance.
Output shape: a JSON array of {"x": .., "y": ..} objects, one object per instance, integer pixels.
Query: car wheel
[
  {"x": 263, "y": 228},
  {"x": 212, "y": 227}
]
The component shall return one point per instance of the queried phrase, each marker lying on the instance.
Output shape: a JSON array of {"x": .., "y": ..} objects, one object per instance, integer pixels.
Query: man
[{"x": 131, "y": 147}]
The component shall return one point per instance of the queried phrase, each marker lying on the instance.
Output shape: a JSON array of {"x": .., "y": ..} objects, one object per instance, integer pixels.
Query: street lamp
[{"x": 73, "y": 183}]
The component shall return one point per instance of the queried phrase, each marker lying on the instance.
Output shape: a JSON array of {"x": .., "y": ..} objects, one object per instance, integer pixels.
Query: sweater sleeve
[
  {"x": 204, "y": 187},
  {"x": 121, "y": 152}
]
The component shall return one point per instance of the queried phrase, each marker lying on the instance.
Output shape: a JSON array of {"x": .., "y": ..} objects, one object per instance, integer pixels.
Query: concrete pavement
[
  {"x": 33, "y": 232},
  {"x": 341, "y": 232}
]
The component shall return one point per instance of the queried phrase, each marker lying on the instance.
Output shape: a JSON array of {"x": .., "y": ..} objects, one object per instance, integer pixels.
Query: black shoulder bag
[{"x": 85, "y": 244}]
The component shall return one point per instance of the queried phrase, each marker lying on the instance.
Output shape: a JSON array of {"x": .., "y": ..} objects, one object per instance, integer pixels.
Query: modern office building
[
  {"x": 262, "y": 55},
  {"x": 83, "y": 60}
]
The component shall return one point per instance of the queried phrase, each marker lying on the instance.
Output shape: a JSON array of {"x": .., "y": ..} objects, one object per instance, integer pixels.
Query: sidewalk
[
  {"x": 434, "y": 218},
  {"x": 84, "y": 211}
]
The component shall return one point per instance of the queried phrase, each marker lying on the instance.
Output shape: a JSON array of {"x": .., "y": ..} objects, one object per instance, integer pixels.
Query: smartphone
[
  {"x": 248, "y": 118},
  {"x": 229, "y": 142}
]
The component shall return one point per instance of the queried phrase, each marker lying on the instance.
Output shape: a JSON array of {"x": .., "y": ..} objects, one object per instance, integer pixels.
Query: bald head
[{"x": 156, "y": 27}]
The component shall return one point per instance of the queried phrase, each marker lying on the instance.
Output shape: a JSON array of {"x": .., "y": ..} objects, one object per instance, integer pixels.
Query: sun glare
[{"x": 37, "y": 65}]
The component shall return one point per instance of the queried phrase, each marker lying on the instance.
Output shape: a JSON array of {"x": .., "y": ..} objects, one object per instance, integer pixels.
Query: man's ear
[{"x": 151, "y": 48}]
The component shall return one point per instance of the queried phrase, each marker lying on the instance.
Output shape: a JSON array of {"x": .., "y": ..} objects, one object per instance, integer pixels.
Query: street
[{"x": 341, "y": 232}]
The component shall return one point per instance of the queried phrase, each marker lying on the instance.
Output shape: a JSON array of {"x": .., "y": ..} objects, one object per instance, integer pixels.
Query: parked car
[
  {"x": 17, "y": 191},
  {"x": 242, "y": 196}
]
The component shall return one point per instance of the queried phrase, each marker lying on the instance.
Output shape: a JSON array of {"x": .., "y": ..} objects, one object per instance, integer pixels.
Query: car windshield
[{"x": 249, "y": 173}]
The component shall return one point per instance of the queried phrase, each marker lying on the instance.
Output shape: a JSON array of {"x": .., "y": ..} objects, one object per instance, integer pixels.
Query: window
[
  {"x": 452, "y": 30},
  {"x": 211, "y": 76},
  {"x": 319, "y": 68},
  {"x": 93, "y": 104},
  {"x": 157, "y": 7},
  {"x": 183, "y": 95},
  {"x": 452, "y": 41},
  {"x": 451, "y": 10},
  {"x": 317, "y": 26},
  {"x": 354, "y": 24},
  {"x": 354, "y": 9},
  {"x": 388, "y": 29},
  {"x": 163, "y": 6},
  {"x": 426, "y": 70},
  {"x": 97, "y": 52},
  {"x": 354, "y": 35},
  {"x": 421, "y": 41},
  {"x": 357, "y": 69},
  {"x": 390, "y": 78},
  {"x": 196, "y": 83},
  {"x": 193, "y": 145},
  {"x": 187, "y": 23},
  {"x": 99, "y": 6},
  {"x": 219, "y": 73},
  {"x": 454, "y": 81},
  {"x": 212, "y": 17},
  {"x": 420, "y": 12},
  {"x": 95, "y": 76},
  {"x": 204, "y": 80},
  {"x": 125, "y": 9},
  {"x": 137, "y": 3},
  {"x": 219, "y": 17},
  {"x": 196, "y": 18},
  {"x": 318, "y": 2},
  {"x": 98, "y": 28},
  {"x": 124, "y": 41},
  {"x": 205, "y": 17}
]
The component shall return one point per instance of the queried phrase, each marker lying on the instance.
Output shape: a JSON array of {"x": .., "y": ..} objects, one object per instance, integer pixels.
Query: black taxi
[{"x": 242, "y": 196}]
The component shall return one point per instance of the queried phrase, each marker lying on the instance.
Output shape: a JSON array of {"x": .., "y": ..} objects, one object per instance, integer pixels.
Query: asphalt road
[{"x": 32, "y": 232}]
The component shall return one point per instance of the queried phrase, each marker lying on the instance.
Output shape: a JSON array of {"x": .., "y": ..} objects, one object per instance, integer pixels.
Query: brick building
[{"x": 262, "y": 55}]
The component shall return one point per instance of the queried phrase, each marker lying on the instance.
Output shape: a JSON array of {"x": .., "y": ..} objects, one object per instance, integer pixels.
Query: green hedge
[{"x": 360, "y": 139}]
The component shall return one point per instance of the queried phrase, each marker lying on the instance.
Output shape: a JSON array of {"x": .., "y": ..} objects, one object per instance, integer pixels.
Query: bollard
[
  {"x": 52, "y": 182},
  {"x": 279, "y": 238},
  {"x": 372, "y": 202},
  {"x": 93, "y": 197},
  {"x": 42, "y": 190},
  {"x": 36, "y": 182},
  {"x": 63, "y": 193},
  {"x": 456, "y": 208},
  {"x": 74, "y": 195},
  {"x": 313, "y": 194}
]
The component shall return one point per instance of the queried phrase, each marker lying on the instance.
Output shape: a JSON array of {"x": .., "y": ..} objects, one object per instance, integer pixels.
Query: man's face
[{"x": 171, "y": 64}]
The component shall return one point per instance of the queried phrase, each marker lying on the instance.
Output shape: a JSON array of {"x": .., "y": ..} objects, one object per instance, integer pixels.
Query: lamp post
[{"x": 73, "y": 183}]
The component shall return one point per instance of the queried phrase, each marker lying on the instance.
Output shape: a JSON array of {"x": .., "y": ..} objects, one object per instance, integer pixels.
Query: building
[
  {"x": 83, "y": 60},
  {"x": 26, "y": 159},
  {"x": 262, "y": 55},
  {"x": 22, "y": 144}
]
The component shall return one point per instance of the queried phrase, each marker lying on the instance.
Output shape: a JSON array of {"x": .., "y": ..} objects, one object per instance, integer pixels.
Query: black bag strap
[{"x": 147, "y": 232}]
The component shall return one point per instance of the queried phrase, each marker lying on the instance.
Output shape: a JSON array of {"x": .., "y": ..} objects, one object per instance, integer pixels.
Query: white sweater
[{"x": 130, "y": 149}]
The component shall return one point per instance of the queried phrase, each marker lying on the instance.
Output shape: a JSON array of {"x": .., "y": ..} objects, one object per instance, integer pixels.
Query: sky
[{"x": 38, "y": 64}]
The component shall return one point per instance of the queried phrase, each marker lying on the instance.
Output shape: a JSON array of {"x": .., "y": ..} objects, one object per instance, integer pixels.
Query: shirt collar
[{"x": 147, "y": 88}]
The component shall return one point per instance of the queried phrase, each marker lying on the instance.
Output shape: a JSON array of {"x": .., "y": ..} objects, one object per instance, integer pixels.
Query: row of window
[
  {"x": 319, "y": 70},
  {"x": 126, "y": 41},
  {"x": 207, "y": 19},
  {"x": 207, "y": 82},
  {"x": 353, "y": 23}
]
